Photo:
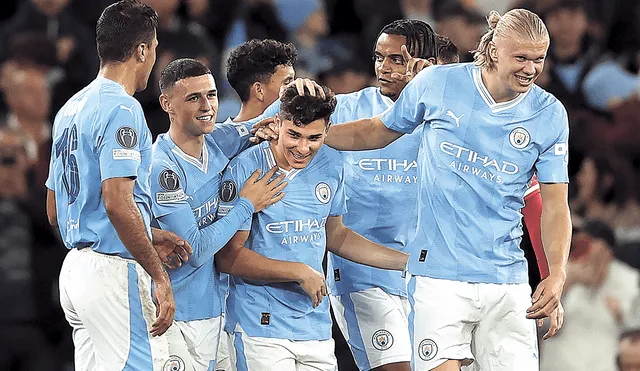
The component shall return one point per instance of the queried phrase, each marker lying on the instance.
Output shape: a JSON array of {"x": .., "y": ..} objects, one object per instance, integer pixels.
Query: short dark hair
[
  {"x": 122, "y": 27},
  {"x": 421, "y": 40},
  {"x": 256, "y": 60},
  {"x": 447, "y": 50},
  {"x": 304, "y": 109},
  {"x": 180, "y": 69}
]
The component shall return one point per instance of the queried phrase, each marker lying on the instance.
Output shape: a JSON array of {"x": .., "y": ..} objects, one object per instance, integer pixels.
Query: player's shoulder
[
  {"x": 251, "y": 156},
  {"x": 329, "y": 158},
  {"x": 162, "y": 157},
  {"x": 367, "y": 93},
  {"x": 545, "y": 103}
]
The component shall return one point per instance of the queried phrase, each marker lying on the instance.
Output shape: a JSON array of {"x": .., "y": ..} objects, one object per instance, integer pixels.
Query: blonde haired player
[{"x": 486, "y": 129}]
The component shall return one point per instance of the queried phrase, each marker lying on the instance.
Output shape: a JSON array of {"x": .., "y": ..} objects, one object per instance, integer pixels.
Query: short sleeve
[
  {"x": 233, "y": 180},
  {"x": 552, "y": 164},
  {"x": 120, "y": 140},
  {"x": 410, "y": 109},
  {"x": 167, "y": 189},
  {"x": 339, "y": 202}
]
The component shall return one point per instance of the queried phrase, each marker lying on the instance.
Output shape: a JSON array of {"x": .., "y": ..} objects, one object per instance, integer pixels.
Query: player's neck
[
  {"x": 122, "y": 73},
  {"x": 249, "y": 111},
  {"x": 496, "y": 88},
  {"x": 278, "y": 155},
  {"x": 189, "y": 144}
]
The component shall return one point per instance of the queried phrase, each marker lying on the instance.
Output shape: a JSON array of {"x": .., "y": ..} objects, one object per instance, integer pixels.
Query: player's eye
[
  {"x": 194, "y": 98},
  {"x": 212, "y": 95},
  {"x": 378, "y": 58},
  {"x": 398, "y": 61},
  {"x": 521, "y": 59}
]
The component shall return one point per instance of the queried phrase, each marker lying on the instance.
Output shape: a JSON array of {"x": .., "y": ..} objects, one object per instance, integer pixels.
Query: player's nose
[{"x": 529, "y": 68}]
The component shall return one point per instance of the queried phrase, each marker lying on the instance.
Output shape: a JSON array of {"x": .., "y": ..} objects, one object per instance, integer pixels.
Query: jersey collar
[
  {"x": 271, "y": 161},
  {"x": 486, "y": 96}
]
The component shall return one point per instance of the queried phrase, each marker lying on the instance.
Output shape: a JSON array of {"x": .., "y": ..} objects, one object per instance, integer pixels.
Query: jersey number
[{"x": 65, "y": 148}]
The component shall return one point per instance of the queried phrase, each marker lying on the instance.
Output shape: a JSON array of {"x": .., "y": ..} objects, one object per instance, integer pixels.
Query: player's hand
[
  {"x": 414, "y": 65},
  {"x": 165, "y": 306},
  {"x": 265, "y": 129},
  {"x": 313, "y": 283},
  {"x": 313, "y": 87},
  {"x": 172, "y": 250},
  {"x": 261, "y": 191},
  {"x": 556, "y": 319},
  {"x": 546, "y": 298}
]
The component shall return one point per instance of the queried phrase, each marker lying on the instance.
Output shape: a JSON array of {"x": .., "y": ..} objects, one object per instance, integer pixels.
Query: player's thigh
[
  {"x": 441, "y": 321},
  {"x": 112, "y": 298},
  {"x": 317, "y": 355},
  {"x": 505, "y": 339},
  {"x": 84, "y": 354},
  {"x": 257, "y": 353},
  {"x": 202, "y": 338},
  {"x": 375, "y": 325}
]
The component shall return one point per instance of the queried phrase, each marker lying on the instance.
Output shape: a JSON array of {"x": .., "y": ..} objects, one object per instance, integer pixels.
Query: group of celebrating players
[{"x": 204, "y": 250}]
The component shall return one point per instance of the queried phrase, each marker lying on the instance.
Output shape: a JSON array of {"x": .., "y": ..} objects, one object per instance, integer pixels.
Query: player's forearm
[
  {"x": 556, "y": 235},
  {"x": 128, "y": 223},
  {"x": 364, "y": 134},
  {"x": 352, "y": 246},
  {"x": 245, "y": 263},
  {"x": 207, "y": 241}
]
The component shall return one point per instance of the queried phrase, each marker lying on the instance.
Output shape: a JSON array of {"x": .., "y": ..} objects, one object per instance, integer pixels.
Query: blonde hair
[{"x": 516, "y": 22}]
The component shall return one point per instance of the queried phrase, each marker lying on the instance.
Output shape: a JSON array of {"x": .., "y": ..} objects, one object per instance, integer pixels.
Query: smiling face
[
  {"x": 297, "y": 145},
  {"x": 192, "y": 104},
  {"x": 388, "y": 59},
  {"x": 519, "y": 62}
]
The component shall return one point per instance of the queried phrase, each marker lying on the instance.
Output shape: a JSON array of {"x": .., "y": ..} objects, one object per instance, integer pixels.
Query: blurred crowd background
[{"x": 47, "y": 53}]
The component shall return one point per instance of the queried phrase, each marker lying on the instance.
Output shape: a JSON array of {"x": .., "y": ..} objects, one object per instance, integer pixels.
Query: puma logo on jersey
[{"x": 453, "y": 116}]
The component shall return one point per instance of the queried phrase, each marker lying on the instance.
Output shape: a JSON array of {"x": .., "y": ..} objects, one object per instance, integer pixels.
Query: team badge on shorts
[
  {"x": 323, "y": 192},
  {"x": 427, "y": 349},
  {"x": 127, "y": 137},
  {"x": 174, "y": 363},
  {"x": 519, "y": 138},
  {"x": 382, "y": 340}
]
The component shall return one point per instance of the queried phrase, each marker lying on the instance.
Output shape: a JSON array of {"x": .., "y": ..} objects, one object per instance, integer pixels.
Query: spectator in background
[
  {"x": 307, "y": 25},
  {"x": 587, "y": 74},
  {"x": 23, "y": 342},
  {"x": 463, "y": 26},
  {"x": 599, "y": 293},
  {"x": 74, "y": 45},
  {"x": 605, "y": 190}
]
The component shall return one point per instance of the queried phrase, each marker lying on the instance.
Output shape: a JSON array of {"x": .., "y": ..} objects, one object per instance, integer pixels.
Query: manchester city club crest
[
  {"x": 169, "y": 180},
  {"x": 323, "y": 192},
  {"x": 382, "y": 339},
  {"x": 427, "y": 349},
  {"x": 519, "y": 138},
  {"x": 228, "y": 191},
  {"x": 127, "y": 137},
  {"x": 174, "y": 363}
]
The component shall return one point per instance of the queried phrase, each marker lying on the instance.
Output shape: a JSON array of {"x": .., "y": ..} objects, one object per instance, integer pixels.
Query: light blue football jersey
[
  {"x": 292, "y": 229},
  {"x": 185, "y": 201},
  {"x": 99, "y": 134},
  {"x": 475, "y": 161},
  {"x": 382, "y": 191}
]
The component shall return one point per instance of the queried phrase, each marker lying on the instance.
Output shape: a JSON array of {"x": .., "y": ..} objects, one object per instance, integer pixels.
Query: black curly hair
[{"x": 256, "y": 60}]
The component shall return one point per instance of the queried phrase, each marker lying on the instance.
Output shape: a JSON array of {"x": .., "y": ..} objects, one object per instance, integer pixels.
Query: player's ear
[
  {"x": 493, "y": 52},
  {"x": 141, "y": 52},
  {"x": 165, "y": 103},
  {"x": 258, "y": 90}
]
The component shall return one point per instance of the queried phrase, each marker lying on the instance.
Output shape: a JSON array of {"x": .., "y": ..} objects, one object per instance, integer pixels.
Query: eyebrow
[{"x": 295, "y": 133}]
